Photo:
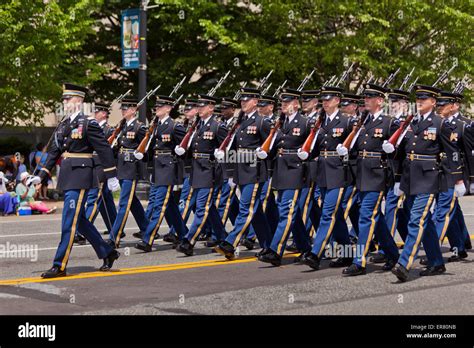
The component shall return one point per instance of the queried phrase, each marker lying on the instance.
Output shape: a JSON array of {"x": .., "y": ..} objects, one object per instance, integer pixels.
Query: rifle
[
  {"x": 265, "y": 79},
  {"x": 112, "y": 140},
  {"x": 406, "y": 79},
  {"x": 390, "y": 78},
  {"x": 314, "y": 129},
  {"x": 361, "y": 87},
  {"x": 413, "y": 84},
  {"x": 232, "y": 131},
  {"x": 277, "y": 91},
  {"x": 305, "y": 80},
  {"x": 238, "y": 93},
  {"x": 445, "y": 74},
  {"x": 213, "y": 90},
  {"x": 265, "y": 91},
  {"x": 344, "y": 75}
]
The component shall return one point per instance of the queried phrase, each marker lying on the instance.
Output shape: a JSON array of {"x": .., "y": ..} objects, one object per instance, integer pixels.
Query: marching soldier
[
  {"x": 206, "y": 174},
  {"x": 289, "y": 176},
  {"x": 187, "y": 197},
  {"x": 332, "y": 177},
  {"x": 371, "y": 180},
  {"x": 425, "y": 140},
  {"x": 167, "y": 172},
  {"x": 100, "y": 199},
  {"x": 131, "y": 134},
  {"x": 250, "y": 174},
  {"x": 75, "y": 140}
]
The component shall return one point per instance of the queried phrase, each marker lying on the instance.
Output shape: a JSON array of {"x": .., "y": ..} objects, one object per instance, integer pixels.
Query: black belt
[
  {"x": 162, "y": 152},
  {"x": 201, "y": 155},
  {"x": 124, "y": 150},
  {"x": 417, "y": 157},
  {"x": 370, "y": 154},
  {"x": 287, "y": 152},
  {"x": 327, "y": 154}
]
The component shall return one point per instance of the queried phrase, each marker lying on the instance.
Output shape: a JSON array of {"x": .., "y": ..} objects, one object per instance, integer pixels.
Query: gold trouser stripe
[
  {"x": 447, "y": 218},
  {"x": 204, "y": 218},
  {"x": 320, "y": 203},
  {"x": 306, "y": 204},
  {"x": 162, "y": 214},
  {"x": 420, "y": 231},
  {"x": 188, "y": 200},
  {"x": 267, "y": 194},
  {"x": 311, "y": 233},
  {"x": 109, "y": 169},
  {"x": 227, "y": 205},
  {"x": 288, "y": 221},
  {"x": 96, "y": 203},
  {"x": 216, "y": 203},
  {"x": 73, "y": 230},
  {"x": 249, "y": 216},
  {"x": 127, "y": 211},
  {"x": 333, "y": 220},
  {"x": 395, "y": 218},
  {"x": 349, "y": 203},
  {"x": 371, "y": 230}
]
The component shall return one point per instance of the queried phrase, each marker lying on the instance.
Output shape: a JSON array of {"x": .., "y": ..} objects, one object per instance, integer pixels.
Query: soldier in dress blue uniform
[
  {"x": 75, "y": 140},
  {"x": 250, "y": 174},
  {"x": 228, "y": 202},
  {"x": 132, "y": 133},
  {"x": 424, "y": 144},
  {"x": 167, "y": 172},
  {"x": 289, "y": 177},
  {"x": 350, "y": 202},
  {"x": 100, "y": 199},
  {"x": 371, "y": 179},
  {"x": 447, "y": 203},
  {"x": 206, "y": 173},
  {"x": 332, "y": 176},
  {"x": 187, "y": 198}
]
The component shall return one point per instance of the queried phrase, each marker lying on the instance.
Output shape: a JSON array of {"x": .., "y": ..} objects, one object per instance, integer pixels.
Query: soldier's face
[
  {"x": 289, "y": 107},
  {"x": 206, "y": 110},
  {"x": 309, "y": 105},
  {"x": 265, "y": 110},
  {"x": 373, "y": 104},
  {"x": 249, "y": 105},
  {"x": 456, "y": 107},
  {"x": 425, "y": 105},
  {"x": 189, "y": 114},
  {"x": 331, "y": 104},
  {"x": 162, "y": 111},
  {"x": 349, "y": 109},
  {"x": 445, "y": 110},
  {"x": 100, "y": 116},
  {"x": 228, "y": 112},
  {"x": 72, "y": 105},
  {"x": 398, "y": 106},
  {"x": 129, "y": 113}
]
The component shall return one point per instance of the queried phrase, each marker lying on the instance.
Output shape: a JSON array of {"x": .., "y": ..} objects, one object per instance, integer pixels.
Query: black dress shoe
[
  {"x": 249, "y": 244},
  {"x": 185, "y": 247},
  {"x": 341, "y": 262},
  {"x": 353, "y": 240},
  {"x": 53, "y": 272},
  {"x": 138, "y": 235},
  {"x": 170, "y": 238},
  {"x": 378, "y": 258},
  {"x": 292, "y": 248},
  {"x": 432, "y": 270},
  {"x": 400, "y": 272},
  {"x": 109, "y": 261},
  {"x": 468, "y": 243},
  {"x": 458, "y": 257},
  {"x": 211, "y": 243},
  {"x": 300, "y": 258},
  {"x": 262, "y": 252},
  {"x": 141, "y": 245},
  {"x": 80, "y": 239},
  {"x": 111, "y": 243},
  {"x": 424, "y": 261},
  {"x": 226, "y": 249},
  {"x": 271, "y": 257},
  {"x": 372, "y": 247},
  {"x": 389, "y": 265},
  {"x": 311, "y": 260},
  {"x": 354, "y": 270}
]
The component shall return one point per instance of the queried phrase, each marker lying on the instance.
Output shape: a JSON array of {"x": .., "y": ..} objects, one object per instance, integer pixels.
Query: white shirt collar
[
  {"x": 229, "y": 121},
  {"x": 377, "y": 114},
  {"x": 331, "y": 117},
  {"x": 163, "y": 120},
  {"x": 206, "y": 120},
  {"x": 101, "y": 123},
  {"x": 291, "y": 117},
  {"x": 456, "y": 115},
  {"x": 74, "y": 115},
  {"x": 251, "y": 114},
  {"x": 312, "y": 113},
  {"x": 129, "y": 122},
  {"x": 400, "y": 113}
]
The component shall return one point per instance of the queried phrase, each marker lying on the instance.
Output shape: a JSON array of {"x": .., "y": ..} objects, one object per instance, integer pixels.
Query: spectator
[
  {"x": 40, "y": 159},
  {"x": 8, "y": 202},
  {"x": 27, "y": 193},
  {"x": 21, "y": 168}
]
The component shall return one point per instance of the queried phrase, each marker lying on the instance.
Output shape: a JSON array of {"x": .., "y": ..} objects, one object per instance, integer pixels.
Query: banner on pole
[{"x": 130, "y": 38}]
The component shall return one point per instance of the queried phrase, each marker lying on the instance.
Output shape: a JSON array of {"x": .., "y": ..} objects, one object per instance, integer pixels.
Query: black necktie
[
  {"x": 200, "y": 124},
  {"x": 415, "y": 120}
]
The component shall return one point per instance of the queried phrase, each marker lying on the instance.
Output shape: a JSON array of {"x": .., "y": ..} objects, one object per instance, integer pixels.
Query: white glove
[
  {"x": 35, "y": 180},
  {"x": 261, "y": 154},
  {"x": 219, "y": 154},
  {"x": 471, "y": 188},
  {"x": 231, "y": 182},
  {"x": 3, "y": 178},
  {"x": 341, "y": 150},
  {"x": 388, "y": 147},
  {"x": 179, "y": 150},
  {"x": 113, "y": 184},
  {"x": 460, "y": 189},
  {"x": 396, "y": 189},
  {"x": 303, "y": 155},
  {"x": 138, "y": 155}
]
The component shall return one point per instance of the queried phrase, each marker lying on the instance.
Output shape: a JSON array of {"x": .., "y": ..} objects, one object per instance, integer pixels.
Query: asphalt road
[{"x": 166, "y": 282}]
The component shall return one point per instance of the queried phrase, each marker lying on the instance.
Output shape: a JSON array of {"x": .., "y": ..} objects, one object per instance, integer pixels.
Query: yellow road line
[{"x": 134, "y": 270}]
